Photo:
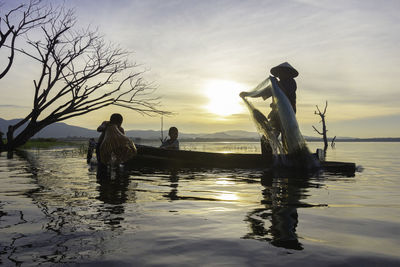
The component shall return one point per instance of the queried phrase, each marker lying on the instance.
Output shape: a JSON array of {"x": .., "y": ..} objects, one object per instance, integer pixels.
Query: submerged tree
[
  {"x": 324, "y": 130},
  {"x": 79, "y": 73}
]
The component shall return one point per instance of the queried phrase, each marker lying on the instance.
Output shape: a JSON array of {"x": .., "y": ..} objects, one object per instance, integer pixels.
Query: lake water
[{"x": 55, "y": 210}]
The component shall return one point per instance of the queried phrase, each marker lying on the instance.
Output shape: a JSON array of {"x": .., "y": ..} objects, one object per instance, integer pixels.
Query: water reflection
[
  {"x": 77, "y": 214},
  {"x": 113, "y": 188},
  {"x": 277, "y": 220},
  {"x": 174, "y": 182},
  {"x": 73, "y": 214}
]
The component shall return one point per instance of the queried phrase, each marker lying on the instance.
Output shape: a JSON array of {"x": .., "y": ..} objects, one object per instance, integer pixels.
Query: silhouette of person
[
  {"x": 91, "y": 146},
  {"x": 285, "y": 75},
  {"x": 113, "y": 145},
  {"x": 172, "y": 142},
  {"x": 1, "y": 141}
]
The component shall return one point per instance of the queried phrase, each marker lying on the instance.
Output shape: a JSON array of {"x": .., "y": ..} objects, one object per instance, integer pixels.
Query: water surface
[{"x": 54, "y": 208}]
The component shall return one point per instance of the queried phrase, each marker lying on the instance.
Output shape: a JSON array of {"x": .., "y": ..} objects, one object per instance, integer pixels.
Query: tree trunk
[
  {"x": 324, "y": 133},
  {"x": 30, "y": 130}
]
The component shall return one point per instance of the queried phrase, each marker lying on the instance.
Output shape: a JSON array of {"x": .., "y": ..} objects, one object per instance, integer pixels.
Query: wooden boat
[{"x": 162, "y": 158}]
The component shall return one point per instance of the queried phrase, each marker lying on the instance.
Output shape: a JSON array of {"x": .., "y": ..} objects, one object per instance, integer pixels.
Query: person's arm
[
  {"x": 165, "y": 144},
  {"x": 169, "y": 144},
  {"x": 102, "y": 127},
  {"x": 134, "y": 148},
  {"x": 264, "y": 93}
]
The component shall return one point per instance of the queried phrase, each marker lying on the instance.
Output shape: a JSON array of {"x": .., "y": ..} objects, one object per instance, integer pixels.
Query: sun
[{"x": 224, "y": 97}]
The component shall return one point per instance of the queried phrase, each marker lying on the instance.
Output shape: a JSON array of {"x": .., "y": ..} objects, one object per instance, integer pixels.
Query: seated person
[
  {"x": 172, "y": 142},
  {"x": 113, "y": 146}
]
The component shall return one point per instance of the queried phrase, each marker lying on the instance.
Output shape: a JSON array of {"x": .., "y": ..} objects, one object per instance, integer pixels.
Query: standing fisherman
[{"x": 285, "y": 74}]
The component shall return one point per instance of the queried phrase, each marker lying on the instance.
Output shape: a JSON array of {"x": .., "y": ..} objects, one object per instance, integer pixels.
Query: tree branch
[
  {"x": 80, "y": 73},
  {"x": 19, "y": 21}
]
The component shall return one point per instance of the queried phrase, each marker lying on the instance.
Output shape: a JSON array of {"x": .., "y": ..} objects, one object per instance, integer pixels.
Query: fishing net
[
  {"x": 265, "y": 128},
  {"x": 116, "y": 147},
  {"x": 291, "y": 148}
]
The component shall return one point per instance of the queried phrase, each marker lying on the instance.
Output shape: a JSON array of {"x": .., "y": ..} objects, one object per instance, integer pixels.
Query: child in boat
[
  {"x": 172, "y": 142},
  {"x": 113, "y": 145}
]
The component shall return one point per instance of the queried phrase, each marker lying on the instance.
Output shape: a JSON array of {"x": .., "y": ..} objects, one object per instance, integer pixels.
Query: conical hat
[{"x": 284, "y": 68}]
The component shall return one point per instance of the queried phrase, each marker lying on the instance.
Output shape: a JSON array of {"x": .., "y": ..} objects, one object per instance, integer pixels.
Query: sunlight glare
[
  {"x": 228, "y": 196},
  {"x": 224, "y": 97},
  {"x": 224, "y": 182}
]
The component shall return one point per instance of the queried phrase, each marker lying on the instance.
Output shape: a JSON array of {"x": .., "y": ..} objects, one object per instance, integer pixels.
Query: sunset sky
[{"x": 201, "y": 54}]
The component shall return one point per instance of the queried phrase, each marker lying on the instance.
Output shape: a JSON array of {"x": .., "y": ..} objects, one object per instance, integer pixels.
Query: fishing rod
[{"x": 162, "y": 126}]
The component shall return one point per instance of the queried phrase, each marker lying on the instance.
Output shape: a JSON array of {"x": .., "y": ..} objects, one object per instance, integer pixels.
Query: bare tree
[
  {"x": 333, "y": 142},
  {"x": 324, "y": 130},
  {"x": 79, "y": 73},
  {"x": 17, "y": 22}
]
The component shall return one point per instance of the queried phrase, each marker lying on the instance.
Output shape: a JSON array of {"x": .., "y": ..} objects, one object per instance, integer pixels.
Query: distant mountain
[
  {"x": 150, "y": 134},
  {"x": 55, "y": 130},
  {"x": 63, "y": 130},
  {"x": 231, "y": 135}
]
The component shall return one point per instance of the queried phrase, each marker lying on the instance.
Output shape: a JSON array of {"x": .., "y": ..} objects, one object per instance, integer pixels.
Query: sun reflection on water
[
  {"x": 228, "y": 196},
  {"x": 224, "y": 182}
]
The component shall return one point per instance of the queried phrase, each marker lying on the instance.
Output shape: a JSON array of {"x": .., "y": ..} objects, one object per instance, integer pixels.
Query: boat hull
[{"x": 162, "y": 158}]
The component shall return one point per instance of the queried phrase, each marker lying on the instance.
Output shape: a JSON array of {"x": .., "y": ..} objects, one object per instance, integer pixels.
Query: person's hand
[{"x": 243, "y": 94}]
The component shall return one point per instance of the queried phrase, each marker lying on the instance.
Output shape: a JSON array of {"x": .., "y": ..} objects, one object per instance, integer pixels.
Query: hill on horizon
[{"x": 63, "y": 130}]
